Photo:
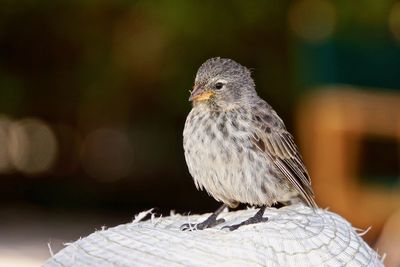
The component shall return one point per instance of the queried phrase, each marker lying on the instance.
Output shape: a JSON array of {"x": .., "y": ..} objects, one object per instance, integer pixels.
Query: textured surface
[{"x": 294, "y": 236}]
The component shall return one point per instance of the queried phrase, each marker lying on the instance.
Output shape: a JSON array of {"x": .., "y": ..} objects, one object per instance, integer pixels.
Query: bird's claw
[
  {"x": 252, "y": 220},
  {"x": 187, "y": 226},
  {"x": 201, "y": 226}
]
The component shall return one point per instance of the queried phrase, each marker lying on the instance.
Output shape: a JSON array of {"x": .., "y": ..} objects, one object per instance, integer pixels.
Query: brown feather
[{"x": 280, "y": 147}]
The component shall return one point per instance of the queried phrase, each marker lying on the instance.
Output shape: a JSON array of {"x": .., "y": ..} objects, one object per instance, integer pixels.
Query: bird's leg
[
  {"x": 209, "y": 222},
  {"x": 257, "y": 218}
]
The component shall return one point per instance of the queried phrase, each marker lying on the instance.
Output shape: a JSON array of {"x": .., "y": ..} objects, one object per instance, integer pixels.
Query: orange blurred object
[{"x": 331, "y": 124}]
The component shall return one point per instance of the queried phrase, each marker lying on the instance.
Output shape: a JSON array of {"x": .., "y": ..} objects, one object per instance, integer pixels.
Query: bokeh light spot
[
  {"x": 32, "y": 146},
  {"x": 312, "y": 20},
  {"x": 394, "y": 20}
]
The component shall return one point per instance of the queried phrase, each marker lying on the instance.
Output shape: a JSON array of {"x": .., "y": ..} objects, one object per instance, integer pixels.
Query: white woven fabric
[{"x": 293, "y": 236}]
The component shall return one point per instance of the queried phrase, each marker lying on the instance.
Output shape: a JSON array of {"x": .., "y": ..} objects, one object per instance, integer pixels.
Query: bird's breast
[
  {"x": 222, "y": 158},
  {"x": 218, "y": 136}
]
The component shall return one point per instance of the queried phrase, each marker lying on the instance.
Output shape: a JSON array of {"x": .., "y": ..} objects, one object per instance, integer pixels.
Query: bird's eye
[{"x": 219, "y": 85}]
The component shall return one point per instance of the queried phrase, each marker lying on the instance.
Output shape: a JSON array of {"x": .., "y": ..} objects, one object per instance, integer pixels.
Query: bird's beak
[{"x": 199, "y": 93}]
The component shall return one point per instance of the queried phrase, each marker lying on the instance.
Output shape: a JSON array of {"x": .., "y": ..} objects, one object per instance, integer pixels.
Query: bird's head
[{"x": 223, "y": 83}]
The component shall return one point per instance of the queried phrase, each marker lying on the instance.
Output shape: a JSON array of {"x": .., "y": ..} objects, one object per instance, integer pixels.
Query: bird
[{"x": 236, "y": 146}]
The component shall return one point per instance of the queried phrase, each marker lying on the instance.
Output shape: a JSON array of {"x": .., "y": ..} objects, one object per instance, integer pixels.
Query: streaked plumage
[{"x": 236, "y": 146}]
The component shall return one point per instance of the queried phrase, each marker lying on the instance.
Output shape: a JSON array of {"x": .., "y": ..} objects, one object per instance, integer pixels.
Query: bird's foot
[
  {"x": 208, "y": 223},
  {"x": 211, "y": 221},
  {"x": 257, "y": 218}
]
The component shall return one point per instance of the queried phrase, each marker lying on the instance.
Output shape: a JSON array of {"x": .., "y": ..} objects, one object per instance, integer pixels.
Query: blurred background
[{"x": 94, "y": 96}]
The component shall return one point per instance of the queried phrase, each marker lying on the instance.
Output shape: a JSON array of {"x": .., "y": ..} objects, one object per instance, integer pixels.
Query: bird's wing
[{"x": 277, "y": 143}]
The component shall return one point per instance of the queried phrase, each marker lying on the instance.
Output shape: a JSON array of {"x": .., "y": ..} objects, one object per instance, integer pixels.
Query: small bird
[{"x": 236, "y": 146}]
